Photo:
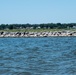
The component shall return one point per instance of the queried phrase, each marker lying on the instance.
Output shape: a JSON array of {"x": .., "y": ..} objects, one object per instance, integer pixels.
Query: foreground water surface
[{"x": 38, "y": 56}]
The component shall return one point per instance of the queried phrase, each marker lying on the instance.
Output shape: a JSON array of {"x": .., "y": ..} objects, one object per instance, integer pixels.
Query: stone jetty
[{"x": 38, "y": 34}]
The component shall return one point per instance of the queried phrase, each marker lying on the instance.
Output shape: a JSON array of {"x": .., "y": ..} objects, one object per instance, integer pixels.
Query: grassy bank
[{"x": 35, "y": 30}]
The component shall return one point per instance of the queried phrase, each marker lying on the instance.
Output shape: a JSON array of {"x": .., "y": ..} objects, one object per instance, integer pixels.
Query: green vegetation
[
  {"x": 35, "y": 30},
  {"x": 37, "y": 27}
]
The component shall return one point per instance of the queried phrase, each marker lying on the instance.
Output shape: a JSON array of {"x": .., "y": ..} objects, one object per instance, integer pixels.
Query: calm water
[{"x": 38, "y": 56}]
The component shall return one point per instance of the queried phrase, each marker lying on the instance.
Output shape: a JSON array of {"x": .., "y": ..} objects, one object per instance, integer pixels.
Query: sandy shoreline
[{"x": 38, "y": 34}]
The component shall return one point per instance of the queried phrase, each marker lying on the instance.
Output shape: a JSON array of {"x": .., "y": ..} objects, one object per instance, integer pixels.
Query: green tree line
[{"x": 34, "y": 26}]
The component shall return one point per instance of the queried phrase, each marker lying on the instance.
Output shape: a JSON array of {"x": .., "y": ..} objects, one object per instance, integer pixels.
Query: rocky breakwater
[{"x": 38, "y": 34}]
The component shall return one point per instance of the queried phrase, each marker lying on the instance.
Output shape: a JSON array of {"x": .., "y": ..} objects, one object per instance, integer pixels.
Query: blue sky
[{"x": 37, "y": 11}]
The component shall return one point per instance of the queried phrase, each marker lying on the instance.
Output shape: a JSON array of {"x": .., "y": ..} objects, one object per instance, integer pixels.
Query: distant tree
[{"x": 10, "y": 27}]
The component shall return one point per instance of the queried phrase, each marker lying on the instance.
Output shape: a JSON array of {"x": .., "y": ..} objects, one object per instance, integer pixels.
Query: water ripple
[{"x": 38, "y": 56}]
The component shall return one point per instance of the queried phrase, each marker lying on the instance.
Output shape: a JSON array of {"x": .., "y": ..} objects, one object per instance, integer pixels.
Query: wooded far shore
[
  {"x": 38, "y": 26},
  {"x": 37, "y": 30}
]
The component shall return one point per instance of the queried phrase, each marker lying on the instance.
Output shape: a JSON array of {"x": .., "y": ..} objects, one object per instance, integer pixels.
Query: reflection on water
[{"x": 38, "y": 56}]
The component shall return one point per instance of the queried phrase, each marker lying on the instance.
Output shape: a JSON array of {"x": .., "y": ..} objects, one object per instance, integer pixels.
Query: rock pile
[{"x": 38, "y": 34}]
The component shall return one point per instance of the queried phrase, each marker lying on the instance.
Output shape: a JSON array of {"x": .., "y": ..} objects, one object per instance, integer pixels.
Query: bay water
[{"x": 38, "y": 56}]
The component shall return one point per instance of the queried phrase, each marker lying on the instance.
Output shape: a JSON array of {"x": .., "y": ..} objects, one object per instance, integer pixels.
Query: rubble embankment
[{"x": 38, "y": 34}]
